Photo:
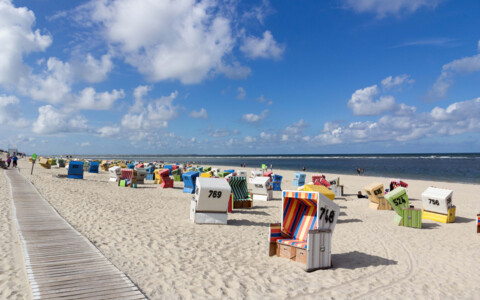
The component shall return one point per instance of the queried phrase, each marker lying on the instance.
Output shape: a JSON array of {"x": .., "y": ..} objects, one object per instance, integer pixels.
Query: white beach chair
[
  {"x": 438, "y": 205},
  {"x": 261, "y": 188},
  {"x": 115, "y": 173},
  {"x": 210, "y": 204}
]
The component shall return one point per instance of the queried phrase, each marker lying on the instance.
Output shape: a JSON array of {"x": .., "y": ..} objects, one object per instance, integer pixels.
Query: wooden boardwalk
[{"x": 60, "y": 262}]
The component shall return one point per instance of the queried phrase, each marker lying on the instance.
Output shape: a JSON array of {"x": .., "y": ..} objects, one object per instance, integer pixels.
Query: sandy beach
[{"x": 146, "y": 232}]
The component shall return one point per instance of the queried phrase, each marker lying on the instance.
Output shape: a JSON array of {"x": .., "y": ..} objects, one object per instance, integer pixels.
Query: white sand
[{"x": 146, "y": 233}]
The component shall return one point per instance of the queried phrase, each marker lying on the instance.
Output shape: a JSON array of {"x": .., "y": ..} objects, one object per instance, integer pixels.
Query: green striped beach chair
[{"x": 241, "y": 197}]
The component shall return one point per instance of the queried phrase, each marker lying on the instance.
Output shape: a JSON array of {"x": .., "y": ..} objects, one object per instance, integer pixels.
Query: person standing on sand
[
  {"x": 14, "y": 159},
  {"x": 271, "y": 167},
  {"x": 9, "y": 160},
  {"x": 304, "y": 169}
]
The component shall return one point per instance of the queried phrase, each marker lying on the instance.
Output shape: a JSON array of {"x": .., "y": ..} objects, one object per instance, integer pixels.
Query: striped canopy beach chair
[
  {"x": 304, "y": 234},
  {"x": 241, "y": 197}
]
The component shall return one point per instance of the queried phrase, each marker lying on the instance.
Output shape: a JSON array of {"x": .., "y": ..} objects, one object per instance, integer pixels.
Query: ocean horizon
[{"x": 450, "y": 167}]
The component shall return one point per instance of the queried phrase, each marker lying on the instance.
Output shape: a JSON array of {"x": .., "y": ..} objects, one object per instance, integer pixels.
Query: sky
[{"x": 240, "y": 77}]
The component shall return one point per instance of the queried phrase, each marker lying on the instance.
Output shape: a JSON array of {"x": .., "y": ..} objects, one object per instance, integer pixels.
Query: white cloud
[
  {"x": 92, "y": 70},
  {"x": 52, "y": 121},
  {"x": 200, "y": 114},
  {"x": 457, "y": 118},
  {"x": 383, "y": 8},
  {"x": 253, "y": 118},
  {"x": 241, "y": 93},
  {"x": 396, "y": 81},
  {"x": 17, "y": 39},
  {"x": 222, "y": 133},
  {"x": 91, "y": 100},
  {"x": 183, "y": 39},
  {"x": 155, "y": 115},
  {"x": 464, "y": 65},
  {"x": 363, "y": 102},
  {"x": 265, "y": 47},
  {"x": 109, "y": 131},
  {"x": 85, "y": 144},
  {"x": 9, "y": 112}
]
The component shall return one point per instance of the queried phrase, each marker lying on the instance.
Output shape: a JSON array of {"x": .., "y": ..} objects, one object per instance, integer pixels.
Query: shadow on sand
[{"x": 354, "y": 260}]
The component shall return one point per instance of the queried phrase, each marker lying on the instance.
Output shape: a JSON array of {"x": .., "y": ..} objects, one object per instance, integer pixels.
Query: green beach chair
[
  {"x": 241, "y": 197},
  {"x": 222, "y": 174},
  {"x": 406, "y": 216}
]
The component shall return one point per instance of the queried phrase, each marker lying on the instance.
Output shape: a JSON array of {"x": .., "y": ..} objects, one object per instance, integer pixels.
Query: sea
[{"x": 458, "y": 167}]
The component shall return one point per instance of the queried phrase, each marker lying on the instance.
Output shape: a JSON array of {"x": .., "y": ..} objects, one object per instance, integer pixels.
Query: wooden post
[{"x": 33, "y": 163}]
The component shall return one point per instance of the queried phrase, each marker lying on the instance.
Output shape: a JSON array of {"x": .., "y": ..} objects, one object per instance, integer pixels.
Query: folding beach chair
[
  {"x": 241, "y": 198},
  {"x": 305, "y": 233},
  {"x": 210, "y": 204}
]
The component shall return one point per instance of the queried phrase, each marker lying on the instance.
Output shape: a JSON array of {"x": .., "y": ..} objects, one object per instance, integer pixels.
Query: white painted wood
[
  {"x": 141, "y": 174},
  {"x": 212, "y": 194},
  {"x": 242, "y": 173},
  {"x": 319, "y": 252},
  {"x": 327, "y": 213},
  {"x": 115, "y": 173},
  {"x": 437, "y": 200},
  {"x": 260, "y": 186},
  {"x": 210, "y": 218},
  {"x": 256, "y": 173}
]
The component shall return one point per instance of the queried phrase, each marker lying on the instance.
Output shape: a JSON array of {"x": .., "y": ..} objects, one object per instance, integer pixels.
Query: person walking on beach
[
  {"x": 9, "y": 160},
  {"x": 304, "y": 169},
  {"x": 14, "y": 159},
  {"x": 271, "y": 167}
]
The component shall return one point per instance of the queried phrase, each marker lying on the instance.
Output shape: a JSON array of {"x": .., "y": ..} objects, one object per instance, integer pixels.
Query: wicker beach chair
[
  {"x": 93, "y": 167},
  {"x": 241, "y": 197},
  {"x": 189, "y": 181},
  {"x": 305, "y": 233}
]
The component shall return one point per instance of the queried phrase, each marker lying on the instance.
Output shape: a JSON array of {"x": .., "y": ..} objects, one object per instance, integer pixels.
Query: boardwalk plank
[{"x": 60, "y": 262}]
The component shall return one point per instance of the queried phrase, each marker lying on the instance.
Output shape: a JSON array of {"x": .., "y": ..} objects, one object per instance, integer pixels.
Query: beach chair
[
  {"x": 406, "y": 215},
  {"x": 141, "y": 174},
  {"x": 438, "y": 206},
  {"x": 61, "y": 163},
  {"x": 75, "y": 170},
  {"x": 93, "y": 167},
  {"x": 268, "y": 174},
  {"x": 189, "y": 181},
  {"x": 206, "y": 174},
  {"x": 207, "y": 169},
  {"x": 223, "y": 174},
  {"x": 167, "y": 182},
  {"x": 299, "y": 179},
  {"x": 375, "y": 194},
  {"x": 256, "y": 173},
  {"x": 261, "y": 189},
  {"x": 319, "y": 189},
  {"x": 242, "y": 173},
  {"x": 129, "y": 176},
  {"x": 200, "y": 169},
  {"x": 305, "y": 232},
  {"x": 210, "y": 204},
  {"x": 158, "y": 179},
  {"x": 44, "y": 163},
  {"x": 169, "y": 167},
  {"x": 229, "y": 171},
  {"x": 215, "y": 171},
  {"x": 115, "y": 173},
  {"x": 241, "y": 197},
  {"x": 277, "y": 182}
]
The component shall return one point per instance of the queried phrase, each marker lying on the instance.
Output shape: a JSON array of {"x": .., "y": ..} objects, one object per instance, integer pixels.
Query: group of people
[{"x": 10, "y": 160}]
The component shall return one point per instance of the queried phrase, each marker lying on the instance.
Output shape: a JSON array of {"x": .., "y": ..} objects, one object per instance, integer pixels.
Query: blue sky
[{"x": 233, "y": 77}]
